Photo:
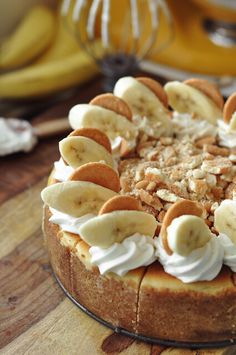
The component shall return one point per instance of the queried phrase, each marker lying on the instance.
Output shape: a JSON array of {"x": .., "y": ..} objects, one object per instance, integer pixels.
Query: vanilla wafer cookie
[
  {"x": 97, "y": 173},
  {"x": 121, "y": 203},
  {"x": 179, "y": 208}
]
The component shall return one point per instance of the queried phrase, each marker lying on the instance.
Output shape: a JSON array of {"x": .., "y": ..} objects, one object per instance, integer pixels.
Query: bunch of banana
[
  {"x": 33, "y": 36},
  {"x": 62, "y": 66}
]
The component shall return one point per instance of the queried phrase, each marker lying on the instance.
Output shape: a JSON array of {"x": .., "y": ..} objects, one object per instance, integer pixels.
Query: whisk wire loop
[{"x": 131, "y": 41}]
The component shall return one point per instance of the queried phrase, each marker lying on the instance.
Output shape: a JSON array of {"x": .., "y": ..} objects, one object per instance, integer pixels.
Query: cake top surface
[{"x": 178, "y": 163}]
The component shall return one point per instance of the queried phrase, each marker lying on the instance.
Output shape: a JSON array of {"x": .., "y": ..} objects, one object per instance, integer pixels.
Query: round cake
[{"x": 140, "y": 210}]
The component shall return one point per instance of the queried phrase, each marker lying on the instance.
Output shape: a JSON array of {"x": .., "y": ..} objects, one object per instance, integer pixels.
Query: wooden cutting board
[{"x": 35, "y": 315}]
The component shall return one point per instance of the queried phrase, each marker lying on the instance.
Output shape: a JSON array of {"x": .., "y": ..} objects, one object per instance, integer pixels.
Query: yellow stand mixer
[
  {"x": 175, "y": 39},
  {"x": 204, "y": 37}
]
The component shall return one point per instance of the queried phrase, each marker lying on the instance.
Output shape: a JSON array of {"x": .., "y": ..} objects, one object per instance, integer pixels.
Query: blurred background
[
  {"x": 11, "y": 13},
  {"x": 50, "y": 47}
]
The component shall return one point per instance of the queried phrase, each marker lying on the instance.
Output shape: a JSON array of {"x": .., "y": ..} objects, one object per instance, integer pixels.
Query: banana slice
[
  {"x": 184, "y": 98},
  {"x": 78, "y": 150},
  {"x": 179, "y": 208},
  {"x": 208, "y": 88},
  {"x": 76, "y": 198},
  {"x": 109, "y": 122},
  {"x": 106, "y": 229},
  {"x": 146, "y": 104},
  {"x": 225, "y": 219},
  {"x": 94, "y": 134},
  {"x": 187, "y": 233}
]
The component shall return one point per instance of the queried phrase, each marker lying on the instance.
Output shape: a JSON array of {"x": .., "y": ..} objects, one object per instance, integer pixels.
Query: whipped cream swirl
[
  {"x": 144, "y": 125},
  {"x": 69, "y": 223},
  {"x": 62, "y": 172},
  {"x": 229, "y": 251},
  {"x": 202, "y": 264},
  {"x": 154, "y": 128},
  {"x": 133, "y": 252},
  {"x": 16, "y": 135},
  {"x": 186, "y": 126},
  {"x": 227, "y": 137}
]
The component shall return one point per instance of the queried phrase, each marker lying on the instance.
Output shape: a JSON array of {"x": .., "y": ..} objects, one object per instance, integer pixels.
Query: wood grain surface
[{"x": 35, "y": 315}]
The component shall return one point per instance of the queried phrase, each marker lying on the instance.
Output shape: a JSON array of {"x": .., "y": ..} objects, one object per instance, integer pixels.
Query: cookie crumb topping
[{"x": 168, "y": 169}]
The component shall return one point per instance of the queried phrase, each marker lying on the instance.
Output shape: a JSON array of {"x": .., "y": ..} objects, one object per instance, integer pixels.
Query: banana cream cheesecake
[{"x": 140, "y": 210}]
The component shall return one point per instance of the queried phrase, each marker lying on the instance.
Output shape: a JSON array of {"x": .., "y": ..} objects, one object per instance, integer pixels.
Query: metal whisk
[{"x": 126, "y": 33}]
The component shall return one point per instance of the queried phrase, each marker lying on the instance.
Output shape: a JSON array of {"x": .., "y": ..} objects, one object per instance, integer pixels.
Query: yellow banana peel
[
  {"x": 33, "y": 36},
  {"x": 65, "y": 44},
  {"x": 62, "y": 66},
  {"x": 48, "y": 78}
]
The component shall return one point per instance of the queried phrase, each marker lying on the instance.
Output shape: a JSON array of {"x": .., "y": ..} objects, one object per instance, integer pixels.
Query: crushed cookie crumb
[
  {"x": 151, "y": 200},
  {"x": 215, "y": 150},
  {"x": 206, "y": 140},
  {"x": 168, "y": 169},
  {"x": 142, "y": 184},
  {"x": 218, "y": 166},
  {"x": 166, "y": 195}
]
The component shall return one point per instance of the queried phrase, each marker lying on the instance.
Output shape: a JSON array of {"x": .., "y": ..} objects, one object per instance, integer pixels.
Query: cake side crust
[
  {"x": 167, "y": 308},
  {"x": 197, "y": 312},
  {"x": 111, "y": 297}
]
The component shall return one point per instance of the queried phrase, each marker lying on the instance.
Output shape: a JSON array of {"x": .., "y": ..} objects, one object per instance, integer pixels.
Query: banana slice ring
[
  {"x": 109, "y": 122},
  {"x": 107, "y": 229},
  {"x": 94, "y": 134},
  {"x": 229, "y": 108},
  {"x": 118, "y": 203},
  {"x": 148, "y": 103},
  {"x": 113, "y": 103},
  {"x": 209, "y": 89},
  {"x": 76, "y": 198},
  {"x": 98, "y": 173},
  {"x": 182, "y": 207},
  {"x": 188, "y": 98},
  {"x": 79, "y": 150},
  {"x": 156, "y": 88}
]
